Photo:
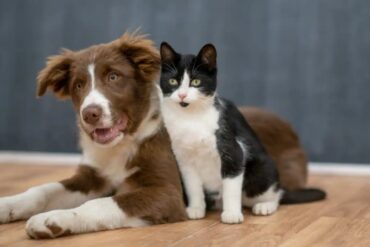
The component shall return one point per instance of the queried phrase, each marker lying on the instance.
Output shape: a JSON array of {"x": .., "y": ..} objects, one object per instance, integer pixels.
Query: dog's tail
[{"x": 302, "y": 196}]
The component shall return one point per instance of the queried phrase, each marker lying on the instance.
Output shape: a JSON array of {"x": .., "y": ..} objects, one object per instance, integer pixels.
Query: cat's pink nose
[{"x": 182, "y": 96}]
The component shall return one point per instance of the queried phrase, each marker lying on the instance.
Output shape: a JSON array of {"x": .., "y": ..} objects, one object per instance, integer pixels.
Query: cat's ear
[
  {"x": 168, "y": 54},
  {"x": 208, "y": 56}
]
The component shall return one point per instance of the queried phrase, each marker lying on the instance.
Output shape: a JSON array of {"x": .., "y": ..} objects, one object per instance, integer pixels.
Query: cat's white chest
[{"x": 194, "y": 143}]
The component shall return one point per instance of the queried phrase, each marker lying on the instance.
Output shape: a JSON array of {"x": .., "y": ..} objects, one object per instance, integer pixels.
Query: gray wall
[{"x": 307, "y": 60}]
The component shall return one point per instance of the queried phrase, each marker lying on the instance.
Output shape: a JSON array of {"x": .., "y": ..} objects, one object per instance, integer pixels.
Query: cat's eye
[
  {"x": 195, "y": 82},
  {"x": 172, "y": 82},
  {"x": 113, "y": 76}
]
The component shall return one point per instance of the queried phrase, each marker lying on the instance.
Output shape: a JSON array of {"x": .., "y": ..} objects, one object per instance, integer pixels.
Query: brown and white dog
[{"x": 128, "y": 176}]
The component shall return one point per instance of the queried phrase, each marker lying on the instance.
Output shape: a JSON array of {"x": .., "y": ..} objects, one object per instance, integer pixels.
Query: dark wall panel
[{"x": 307, "y": 60}]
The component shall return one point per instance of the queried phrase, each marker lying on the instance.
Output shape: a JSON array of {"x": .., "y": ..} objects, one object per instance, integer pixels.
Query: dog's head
[{"x": 109, "y": 84}]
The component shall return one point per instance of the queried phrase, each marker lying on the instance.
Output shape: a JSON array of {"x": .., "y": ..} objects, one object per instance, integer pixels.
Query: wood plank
[{"x": 341, "y": 220}]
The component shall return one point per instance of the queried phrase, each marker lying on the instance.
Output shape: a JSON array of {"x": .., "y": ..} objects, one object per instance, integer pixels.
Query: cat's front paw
[
  {"x": 51, "y": 224},
  {"x": 265, "y": 208},
  {"x": 230, "y": 217},
  {"x": 195, "y": 212}
]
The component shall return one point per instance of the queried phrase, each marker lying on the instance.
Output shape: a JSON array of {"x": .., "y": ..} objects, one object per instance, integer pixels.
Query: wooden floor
[{"x": 341, "y": 220}]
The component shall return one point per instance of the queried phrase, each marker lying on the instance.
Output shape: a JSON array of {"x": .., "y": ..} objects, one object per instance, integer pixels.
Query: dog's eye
[
  {"x": 172, "y": 82},
  {"x": 78, "y": 85},
  {"x": 195, "y": 82},
  {"x": 113, "y": 76}
]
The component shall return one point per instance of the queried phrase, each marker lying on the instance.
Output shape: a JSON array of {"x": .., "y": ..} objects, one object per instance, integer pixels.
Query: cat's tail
[{"x": 302, "y": 196}]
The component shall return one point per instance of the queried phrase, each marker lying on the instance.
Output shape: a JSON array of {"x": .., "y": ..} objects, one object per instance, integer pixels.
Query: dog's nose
[{"x": 92, "y": 114}]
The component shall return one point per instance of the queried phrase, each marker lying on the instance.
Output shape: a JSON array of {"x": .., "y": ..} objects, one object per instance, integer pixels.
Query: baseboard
[
  {"x": 339, "y": 169},
  {"x": 39, "y": 158},
  {"x": 69, "y": 159}
]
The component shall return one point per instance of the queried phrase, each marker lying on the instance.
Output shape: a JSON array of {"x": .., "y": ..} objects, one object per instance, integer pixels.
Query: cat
[{"x": 221, "y": 160}]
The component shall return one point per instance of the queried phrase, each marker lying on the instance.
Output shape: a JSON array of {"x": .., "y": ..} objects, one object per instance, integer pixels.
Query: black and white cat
[{"x": 219, "y": 155}]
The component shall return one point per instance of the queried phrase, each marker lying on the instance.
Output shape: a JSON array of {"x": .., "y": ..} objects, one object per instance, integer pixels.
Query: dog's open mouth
[{"x": 107, "y": 135}]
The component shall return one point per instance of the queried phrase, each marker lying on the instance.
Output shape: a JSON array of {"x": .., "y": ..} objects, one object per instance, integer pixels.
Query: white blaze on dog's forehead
[
  {"x": 91, "y": 70},
  {"x": 95, "y": 97}
]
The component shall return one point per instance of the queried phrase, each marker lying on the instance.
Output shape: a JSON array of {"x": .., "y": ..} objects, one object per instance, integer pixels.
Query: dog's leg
[
  {"x": 94, "y": 215},
  {"x": 86, "y": 184},
  {"x": 139, "y": 208}
]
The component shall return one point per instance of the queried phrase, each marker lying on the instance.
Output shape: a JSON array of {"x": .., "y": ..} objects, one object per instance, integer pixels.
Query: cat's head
[{"x": 188, "y": 80}]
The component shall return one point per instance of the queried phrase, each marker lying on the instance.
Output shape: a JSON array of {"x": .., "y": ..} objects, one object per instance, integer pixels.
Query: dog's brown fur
[
  {"x": 160, "y": 204},
  {"x": 85, "y": 180},
  {"x": 282, "y": 143}
]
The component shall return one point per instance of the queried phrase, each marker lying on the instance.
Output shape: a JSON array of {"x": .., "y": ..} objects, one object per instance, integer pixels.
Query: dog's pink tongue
[{"x": 105, "y": 135}]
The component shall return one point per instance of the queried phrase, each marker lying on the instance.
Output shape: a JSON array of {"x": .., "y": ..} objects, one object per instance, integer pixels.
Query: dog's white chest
[
  {"x": 194, "y": 144},
  {"x": 111, "y": 162}
]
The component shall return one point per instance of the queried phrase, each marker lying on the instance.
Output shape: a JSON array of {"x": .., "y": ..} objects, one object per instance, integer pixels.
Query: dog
[{"x": 128, "y": 176}]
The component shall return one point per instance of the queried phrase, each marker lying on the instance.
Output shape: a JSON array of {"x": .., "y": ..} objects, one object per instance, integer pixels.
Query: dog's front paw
[
  {"x": 13, "y": 208},
  {"x": 7, "y": 210},
  {"x": 20, "y": 206},
  {"x": 230, "y": 217},
  {"x": 265, "y": 208},
  {"x": 195, "y": 212},
  {"x": 51, "y": 224}
]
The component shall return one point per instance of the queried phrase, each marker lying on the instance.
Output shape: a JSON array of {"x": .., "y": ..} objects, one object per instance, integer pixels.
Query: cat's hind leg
[{"x": 266, "y": 203}]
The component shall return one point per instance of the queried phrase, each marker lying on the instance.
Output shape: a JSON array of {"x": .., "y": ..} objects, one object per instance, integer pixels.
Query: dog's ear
[
  {"x": 168, "y": 54},
  {"x": 208, "y": 56},
  {"x": 142, "y": 53},
  {"x": 56, "y": 75}
]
